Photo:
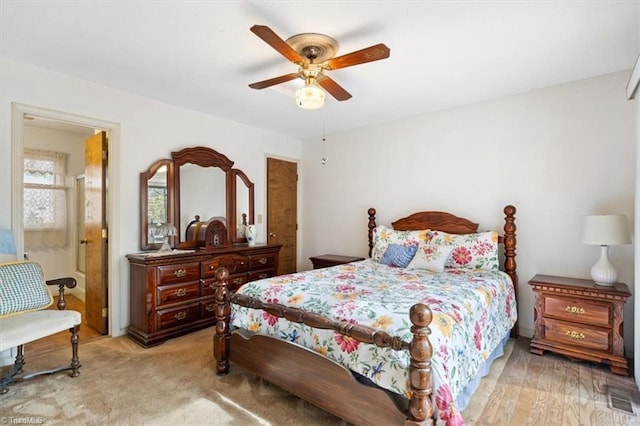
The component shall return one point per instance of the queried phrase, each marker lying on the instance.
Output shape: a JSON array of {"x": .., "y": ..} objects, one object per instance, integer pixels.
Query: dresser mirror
[
  {"x": 244, "y": 201},
  {"x": 197, "y": 181},
  {"x": 156, "y": 202}
]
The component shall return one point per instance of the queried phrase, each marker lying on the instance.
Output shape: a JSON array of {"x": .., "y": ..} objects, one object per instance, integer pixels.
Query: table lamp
[
  {"x": 604, "y": 231},
  {"x": 165, "y": 230}
]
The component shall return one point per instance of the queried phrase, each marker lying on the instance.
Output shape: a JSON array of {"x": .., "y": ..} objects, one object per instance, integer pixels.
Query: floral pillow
[
  {"x": 470, "y": 251},
  {"x": 383, "y": 236},
  {"x": 431, "y": 257},
  {"x": 397, "y": 255}
]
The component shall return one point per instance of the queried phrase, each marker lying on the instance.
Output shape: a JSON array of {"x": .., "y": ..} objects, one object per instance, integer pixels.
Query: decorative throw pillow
[
  {"x": 383, "y": 236},
  {"x": 431, "y": 257},
  {"x": 470, "y": 251},
  {"x": 397, "y": 255},
  {"x": 22, "y": 288}
]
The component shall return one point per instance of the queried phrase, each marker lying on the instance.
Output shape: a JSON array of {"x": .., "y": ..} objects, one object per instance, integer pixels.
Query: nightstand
[
  {"x": 327, "y": 260},
  {"x": 579, "y": 319}
]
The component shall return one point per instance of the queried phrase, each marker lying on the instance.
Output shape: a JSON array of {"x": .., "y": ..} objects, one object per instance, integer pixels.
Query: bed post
[
  {"x": 510, "y": 266},
  {"x": 372, "y": 225},
  {"x": 420, "y": 350},
  {"x": 223, "y": 319}
]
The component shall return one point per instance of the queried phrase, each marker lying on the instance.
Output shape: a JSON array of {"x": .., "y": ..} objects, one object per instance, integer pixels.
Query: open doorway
[{"x": 65, "y": 135}]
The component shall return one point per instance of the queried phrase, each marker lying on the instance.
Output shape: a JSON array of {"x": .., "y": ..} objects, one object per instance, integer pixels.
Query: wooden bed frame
[{"x": 327, "y": 384}]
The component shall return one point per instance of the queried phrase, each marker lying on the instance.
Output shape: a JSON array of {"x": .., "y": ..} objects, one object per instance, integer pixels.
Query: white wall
[
  {"x": 556, "y": 154},
  {"x": 149, "y": 130}
]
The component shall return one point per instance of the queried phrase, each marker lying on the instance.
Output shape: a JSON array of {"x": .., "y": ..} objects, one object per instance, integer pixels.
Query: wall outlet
[{"x": 259, "y": 218}]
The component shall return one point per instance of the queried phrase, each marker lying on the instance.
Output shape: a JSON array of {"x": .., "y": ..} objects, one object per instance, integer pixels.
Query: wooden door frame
[
  {"x": 18, "y": 111},
  {"x": 298, "y": 199}
]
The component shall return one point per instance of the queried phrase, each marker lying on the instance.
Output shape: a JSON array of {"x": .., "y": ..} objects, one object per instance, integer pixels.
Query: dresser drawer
[
  {"x": 172, "y": 317},
  {"x": 208, "y": 308},
  {"x": 579, "y": 310},
  {"x": 262, "y": 261},
  {"x": 577, "y": 335},
  {"x": 177, "y": 292},
  {"x": 259, "y": 275},
  {"x": 183, "y": 272},
  {"x": 235, "y": 281},
  {"x": 234, "y": 263}
]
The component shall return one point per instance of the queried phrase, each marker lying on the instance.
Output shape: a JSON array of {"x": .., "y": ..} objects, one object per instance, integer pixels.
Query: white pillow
[{"x": 431, "y": 257}]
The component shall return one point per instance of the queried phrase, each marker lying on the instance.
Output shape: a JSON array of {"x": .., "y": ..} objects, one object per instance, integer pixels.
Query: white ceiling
[{"x": 202, "y": 56}]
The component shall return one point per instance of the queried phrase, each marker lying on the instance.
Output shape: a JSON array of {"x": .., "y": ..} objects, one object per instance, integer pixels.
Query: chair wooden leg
[
  {"x": 75, "y": 361},
  {"x": 9, "y": 377},
  {"x": 19, "y": 364}
]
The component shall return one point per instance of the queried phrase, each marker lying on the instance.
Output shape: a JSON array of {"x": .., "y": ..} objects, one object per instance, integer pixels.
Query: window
[{"x": 45, "y": 199}]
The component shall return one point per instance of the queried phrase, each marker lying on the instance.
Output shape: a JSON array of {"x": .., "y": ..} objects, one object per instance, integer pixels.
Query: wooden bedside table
[
  {"x": 579, "y": 319},
  {"x": 327, "y": 260}
]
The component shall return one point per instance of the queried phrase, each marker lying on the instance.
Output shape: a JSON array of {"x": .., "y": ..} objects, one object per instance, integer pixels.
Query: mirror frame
[
  {"x": 144, "y": 197},
  {"x": 237, "y": 173},
  {"x": 203, "y": 157}
]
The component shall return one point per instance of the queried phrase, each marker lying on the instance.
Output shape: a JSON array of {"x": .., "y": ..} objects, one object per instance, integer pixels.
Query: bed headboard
[{"x": 452, "y": 224}]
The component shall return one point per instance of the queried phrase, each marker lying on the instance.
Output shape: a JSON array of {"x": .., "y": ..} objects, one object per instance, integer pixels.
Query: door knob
[
  {"x": 84, "y": 241},
  {"x": 271, "y": 234}
]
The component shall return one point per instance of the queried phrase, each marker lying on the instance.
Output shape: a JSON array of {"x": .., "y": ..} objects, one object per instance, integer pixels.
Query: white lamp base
[
  {"x": 165, "y": 248},
  {"x": 603, "y": 272}
]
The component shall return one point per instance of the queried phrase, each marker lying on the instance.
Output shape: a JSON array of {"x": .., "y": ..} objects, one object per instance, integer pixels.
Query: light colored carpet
[{"x": 175, "y": 383}]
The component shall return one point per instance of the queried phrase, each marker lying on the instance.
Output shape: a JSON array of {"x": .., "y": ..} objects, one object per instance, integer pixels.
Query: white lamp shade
[
  {"x": 310, "y": 97},
  {"x": 605, "y": 230}
]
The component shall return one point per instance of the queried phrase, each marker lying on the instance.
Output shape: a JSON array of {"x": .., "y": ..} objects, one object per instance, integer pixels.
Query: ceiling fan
[{"x": 314, "y": 54}]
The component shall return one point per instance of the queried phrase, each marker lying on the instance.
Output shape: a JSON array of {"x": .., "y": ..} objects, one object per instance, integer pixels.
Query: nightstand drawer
[
  {"x": 579, "y": 310},
  {"x": 577, "y": 335},
  {"x": 328, "y": 260}
]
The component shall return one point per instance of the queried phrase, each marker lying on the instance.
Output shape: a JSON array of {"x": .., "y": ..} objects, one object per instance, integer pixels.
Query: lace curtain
[{"x": 45, "y": 199}]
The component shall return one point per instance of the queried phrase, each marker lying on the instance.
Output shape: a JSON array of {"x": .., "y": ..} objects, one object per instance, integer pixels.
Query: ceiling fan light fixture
[{"x": 310, "y": 97}]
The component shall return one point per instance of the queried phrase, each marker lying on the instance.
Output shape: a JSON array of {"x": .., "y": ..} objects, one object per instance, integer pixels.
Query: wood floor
[
  {"x": 62, "y": 339},
  {"x": 550, "y": 390}
]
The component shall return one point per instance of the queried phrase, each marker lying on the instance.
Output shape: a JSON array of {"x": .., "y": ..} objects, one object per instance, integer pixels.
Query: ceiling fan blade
[
  {"x": 334, "y": 89},
  {"x": 369, "y": 54},
  {"x": 273, "y": 81},
  {"x": 273, "y": 40}
]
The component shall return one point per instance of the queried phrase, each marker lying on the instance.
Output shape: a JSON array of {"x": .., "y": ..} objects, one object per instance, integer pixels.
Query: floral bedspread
[{"x": 472, "y": 311}]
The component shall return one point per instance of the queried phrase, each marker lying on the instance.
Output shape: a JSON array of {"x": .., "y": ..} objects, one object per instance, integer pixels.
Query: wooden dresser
[
  {"x": 173, "y": 294},
  {"x": 581, "y": 320}
]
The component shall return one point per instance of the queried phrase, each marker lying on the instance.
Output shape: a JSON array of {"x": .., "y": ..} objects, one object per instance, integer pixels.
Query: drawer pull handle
[
  {"x": 575, "y": 335},
  {"x": 237, "y": 281},
  {"x": 181, "y": 292},
  {"x": 575, "y": 310},
  {"x": 212, "y": 286},
  {"x": 263, "y": 261},
  {"x": 180, "y": 315},
  {"x": 210, "y": 307},
  {"x": 263, "y": 275},
  {"x": 179, "y": 273}
]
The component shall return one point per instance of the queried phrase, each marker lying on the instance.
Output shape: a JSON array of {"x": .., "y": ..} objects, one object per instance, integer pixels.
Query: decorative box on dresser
[
  {"x": 173, "y": 294},
  {"x": 580, "y": 319}
]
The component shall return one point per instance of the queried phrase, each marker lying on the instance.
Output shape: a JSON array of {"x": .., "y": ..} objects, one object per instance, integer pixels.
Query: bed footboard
[{"x": 420, "y": 408}]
